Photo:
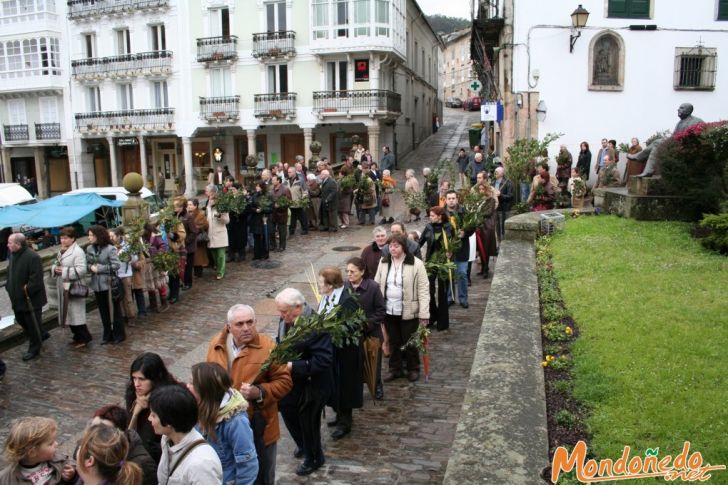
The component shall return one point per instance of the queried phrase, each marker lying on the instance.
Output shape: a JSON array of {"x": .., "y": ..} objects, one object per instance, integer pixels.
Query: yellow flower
[
  {"x": 568, "y": 330},
  {"x": 545, "y": 364}
]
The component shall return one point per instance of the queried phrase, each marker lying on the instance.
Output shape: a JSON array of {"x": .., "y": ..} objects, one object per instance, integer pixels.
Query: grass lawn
[{"x": 651, "y": 363}]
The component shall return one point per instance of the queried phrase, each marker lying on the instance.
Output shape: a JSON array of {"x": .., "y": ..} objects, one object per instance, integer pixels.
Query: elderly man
[
  {"x": 298, "y": 214},
  {"x": 265, "y": 178},
  {"x": 412, "y": 247},
  {"x": 329, "y": 202},
  {"x": 26, "y": 291},
  {"x": 504, "y": 190},
  {"x": 241, "y": 350},
  {"x": 387, "y": 161},
  {"x": 609, "y": 176},
  {"x": 477, "y": 165},
  {"x": 313, "y": 382},
  {"x": 279, "y": 217}
]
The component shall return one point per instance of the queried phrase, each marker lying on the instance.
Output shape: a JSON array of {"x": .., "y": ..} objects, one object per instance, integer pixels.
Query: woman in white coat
[
  {"x": 217, "y": 231},
  {"x": 69, "y": 267}
]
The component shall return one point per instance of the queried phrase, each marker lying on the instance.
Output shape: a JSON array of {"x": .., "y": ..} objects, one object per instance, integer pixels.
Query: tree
[
  {"x": 442, "y": 23},
  {"x": 523, "y": 152}
]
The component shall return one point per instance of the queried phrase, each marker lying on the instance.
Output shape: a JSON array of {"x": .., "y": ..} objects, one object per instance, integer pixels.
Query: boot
[
  {"x": 153, "y": 307},
  {"x": 165, "y": 304}
]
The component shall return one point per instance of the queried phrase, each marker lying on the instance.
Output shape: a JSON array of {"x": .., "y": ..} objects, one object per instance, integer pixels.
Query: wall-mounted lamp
[
  {"x": 578, "y": 22},
  {"x": 541, "y": 110}
]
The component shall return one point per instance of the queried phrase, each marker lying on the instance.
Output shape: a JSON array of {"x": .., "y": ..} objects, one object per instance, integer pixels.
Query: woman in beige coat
[
  {"x": 406, "y": 289},
  {"x": 70, "y": 266},
  {"x": 217, "y": 231}
]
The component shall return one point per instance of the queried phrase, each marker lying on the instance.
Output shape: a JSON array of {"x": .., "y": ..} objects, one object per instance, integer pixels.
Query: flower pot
[{"x": 577, "y": 202}]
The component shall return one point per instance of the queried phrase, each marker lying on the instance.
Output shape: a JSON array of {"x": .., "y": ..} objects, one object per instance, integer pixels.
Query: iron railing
[
  {"x": 47, "y": 131},
  {"x": 16, "y": 132},
  {"x": 274, "y": 44},
  {"x": 220, "y": 108},
  {"x": 125, "y": 65},
  {"x": 78, "y": 9},
  {"x": 275, "y": 105},
  {"x": 217, "y": 48},
  {"x": 157, "y": 119},
  {"x": 364, "y": 100}
]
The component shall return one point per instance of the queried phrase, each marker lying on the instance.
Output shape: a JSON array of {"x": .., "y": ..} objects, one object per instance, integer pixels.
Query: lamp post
[{"x": 578, "y": 21}]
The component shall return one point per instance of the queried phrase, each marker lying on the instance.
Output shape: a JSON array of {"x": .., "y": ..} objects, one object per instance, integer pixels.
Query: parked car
[
  {"x": 111, "y": 216},
  {"x": 472, "y": 103},
  {"x": 453, "y": 102}
]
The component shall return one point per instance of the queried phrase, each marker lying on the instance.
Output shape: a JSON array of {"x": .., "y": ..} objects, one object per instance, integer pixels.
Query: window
[
  {"x": 276, "y": 16},
  {"x": 695, "y": 68},
  {"x": 220, "y": 22},
  {"x": 15, "y": 57},
  {"x": 93, "y": 98},
  {"x": 629, "y": 9},
  {"x": 342, "y": 18},
  {"x": 123, "y": 42},
  {"x": 278, "y": 78},
  {"x": 126, "y": 96},
  {"x": 16, "y": 112},
  {"x": 30, "y": 54},
  {"x": 361, "y": 16},
  {"x": 159, "y": 37},
  {"x": 320, "y": 19},
  {"x": 10, "y": 7},
  {"x": 26, "y": 6},
  {"x": 48, "y": 109},
  {"x": 722, "y": 10},
  {"x": 381, "y": 16},
  {"x": 336, "y": 75},
  {"x": 221, "y": 82},
  {"x": 160, "y": 94},
  {"x": 89, "y": 42},
  {"x": 3, "y": 66},
  {"x": 414, "y": 55}
]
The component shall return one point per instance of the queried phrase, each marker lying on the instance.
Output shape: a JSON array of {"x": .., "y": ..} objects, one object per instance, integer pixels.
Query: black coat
[
  {"x": 329, "y": 193},
  {"x": 372, "y": 302},
  {"x": 255, "y": 222},
  {"x": 505, "y": 199},
  {"x": 584, "y": 162},
  {"x": 139, "y": 455},
  {"x": 25, "y": 270},
  {"x": 463, "y": 254},
  {"x": 434, "y": 243},
  {"x": 348, "y": 366}
]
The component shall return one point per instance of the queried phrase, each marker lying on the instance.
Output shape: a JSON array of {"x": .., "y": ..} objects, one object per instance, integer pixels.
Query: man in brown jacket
[{"x": 241, "y": 350}]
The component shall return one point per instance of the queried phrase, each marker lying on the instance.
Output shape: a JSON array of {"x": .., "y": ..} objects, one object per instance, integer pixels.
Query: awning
[{"x": 57, "y": 211}]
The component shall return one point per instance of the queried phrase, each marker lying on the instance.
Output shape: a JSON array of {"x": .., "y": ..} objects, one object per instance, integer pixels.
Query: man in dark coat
[
  {"x": 329, "y": 202},
  {"x": 25, "y": 281},
  {"x": 505, "y": 191},
  {"x": 313, "y": 383},
  {"x": 279, "y": 217},
  {"x": 463, "y": 253}
]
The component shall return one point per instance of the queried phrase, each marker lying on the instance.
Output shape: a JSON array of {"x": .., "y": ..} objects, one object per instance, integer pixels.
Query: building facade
[
  {"x": 159, "y": 85},
  {"x": 621, "y": 76},
  {"x": 34, "y": 96},
  {"x": 457, "y": 66}
]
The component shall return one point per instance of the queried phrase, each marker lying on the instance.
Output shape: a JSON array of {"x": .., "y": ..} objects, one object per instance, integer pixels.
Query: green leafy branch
[{"x": 417, "y": 339}]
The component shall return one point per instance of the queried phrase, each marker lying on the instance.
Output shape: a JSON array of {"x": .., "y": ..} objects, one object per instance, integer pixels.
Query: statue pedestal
[
  {"x": 628, "y": 202},
  {"x": 646, "y": 186}
]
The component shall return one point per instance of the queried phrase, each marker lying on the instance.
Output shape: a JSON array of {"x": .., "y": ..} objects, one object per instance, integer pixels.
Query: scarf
[{"x": 232, "y": 403}]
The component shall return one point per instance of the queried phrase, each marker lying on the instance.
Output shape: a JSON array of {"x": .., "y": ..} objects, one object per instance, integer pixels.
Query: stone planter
[{"x": 577, "y": 202}]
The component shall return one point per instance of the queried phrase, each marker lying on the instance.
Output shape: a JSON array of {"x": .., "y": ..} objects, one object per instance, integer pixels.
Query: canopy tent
[{"x": 57, "y": 211}]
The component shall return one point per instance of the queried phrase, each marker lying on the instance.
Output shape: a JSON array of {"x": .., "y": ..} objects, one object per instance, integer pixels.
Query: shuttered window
[
  {"x": 629, "y": 9},
  {"x": 722, "y": 9}
]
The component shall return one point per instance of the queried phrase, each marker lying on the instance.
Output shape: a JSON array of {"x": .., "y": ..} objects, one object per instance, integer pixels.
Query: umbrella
[
  {"x": 371, "y": 355},
  {"x": 426, "y": 357},
  {"x": 36, "y": 325}
]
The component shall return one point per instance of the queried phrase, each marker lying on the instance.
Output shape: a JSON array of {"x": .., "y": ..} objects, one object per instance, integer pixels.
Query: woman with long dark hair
[
  {"x": 438, "y": 235},
  {"x": 584, "y": 161},
  {"x": 102, "y": 262},
  {"x": 146, "y": 373},
  {"x": 223, "y": 421}
]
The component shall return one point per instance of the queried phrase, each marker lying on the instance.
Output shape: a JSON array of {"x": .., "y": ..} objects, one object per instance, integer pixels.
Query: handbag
[
  {"x": 115, "y": 287},
  {"x": 203, "y": 238},
  {"x": 77, "y": 288},
  {"x": 385, "y": 201}
]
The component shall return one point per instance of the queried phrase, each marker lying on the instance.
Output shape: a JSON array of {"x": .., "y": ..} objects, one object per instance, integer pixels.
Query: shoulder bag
[
  {"x": 77, "y": 289},
  {"x": 184, "y": 454}
]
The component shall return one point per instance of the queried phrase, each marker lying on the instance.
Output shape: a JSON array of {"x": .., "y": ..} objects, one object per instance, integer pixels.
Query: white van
[
  {"x": 15, "y": 194},
  {"x": 118, "y": 193}
]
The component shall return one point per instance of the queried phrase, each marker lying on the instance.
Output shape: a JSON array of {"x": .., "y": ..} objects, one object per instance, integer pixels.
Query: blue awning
[{"x": 57, "y": 211}]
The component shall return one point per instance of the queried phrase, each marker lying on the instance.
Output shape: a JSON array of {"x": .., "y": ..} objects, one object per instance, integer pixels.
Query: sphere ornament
[{"x": 133, "y": 182}]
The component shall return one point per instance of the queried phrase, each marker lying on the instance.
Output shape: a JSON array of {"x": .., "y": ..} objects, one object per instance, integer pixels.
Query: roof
[
  {"x": 57, "y": 211},
  {"x": 458, "y": 34}
]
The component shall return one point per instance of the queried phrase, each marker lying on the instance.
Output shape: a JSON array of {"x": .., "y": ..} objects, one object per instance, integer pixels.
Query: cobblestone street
[{"x": 405, "y": 438}]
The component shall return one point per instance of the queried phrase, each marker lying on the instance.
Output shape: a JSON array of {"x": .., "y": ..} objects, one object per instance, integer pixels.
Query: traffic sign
[{"x": 475, "y": 86}]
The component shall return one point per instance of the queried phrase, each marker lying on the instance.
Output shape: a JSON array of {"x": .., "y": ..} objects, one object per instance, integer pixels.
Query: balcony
[
  {"x": 16, "y": 132},
  {"x": 155, "y": 63},
  {"x": 217, "y": 49},
  {"x": 371, "y": 102},
  {"x": 222, "y": 108},
  {"x": 275, "y": 106},
  {"x": 47, "y": 131},
  {"x": 83, "y": 9},
  {"x": 273, "y": 45},
  {"x": 148, "y": 120}
]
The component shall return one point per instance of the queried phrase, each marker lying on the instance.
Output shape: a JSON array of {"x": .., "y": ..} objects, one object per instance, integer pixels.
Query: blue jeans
[{"x": 461, "y": 268}]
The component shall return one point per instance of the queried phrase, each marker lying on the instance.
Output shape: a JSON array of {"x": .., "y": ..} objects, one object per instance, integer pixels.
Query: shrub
[
  {"x": 556, "y": 332},
  {"x": 562, "y": 387},
  {"x": 717, "y": 227},
  {"x": 565, "y": 418}
]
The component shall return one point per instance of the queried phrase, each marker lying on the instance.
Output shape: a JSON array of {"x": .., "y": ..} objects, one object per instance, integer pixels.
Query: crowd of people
[{"x": 223, "y": 425}]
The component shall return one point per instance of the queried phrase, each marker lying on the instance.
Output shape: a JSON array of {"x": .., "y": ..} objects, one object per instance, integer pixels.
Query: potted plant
[{"x": 578, "y": 192}]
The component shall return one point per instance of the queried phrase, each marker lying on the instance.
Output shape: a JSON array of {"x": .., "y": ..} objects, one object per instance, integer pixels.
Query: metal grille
[
  {"x": 47, "y": 131},
  {"x": 220, "y": 108},
  {"x": 88, "y": 8},
  {"x": 217, "y": 48},
  {"x": 274, "y": 44},
  {"x": 695, "y": 69},
  {"x": 161, "y": 119},
  {"x": 126, "y": 65},
  {"x": 364, "y": 100},
  {"x": 16, "y": 132},
  {"x": 275, "y": 105}
]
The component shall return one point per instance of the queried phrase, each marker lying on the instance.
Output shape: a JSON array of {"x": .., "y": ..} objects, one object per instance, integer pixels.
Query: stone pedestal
[
  {"x": 645, "y": 199},
  {"x": 646, "y": 186}
]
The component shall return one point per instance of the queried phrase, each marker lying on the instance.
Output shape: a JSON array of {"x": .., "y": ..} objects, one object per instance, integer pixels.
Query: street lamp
[
  {"x": 578, "y": 21},
  {"x": 541, "y": 110}
]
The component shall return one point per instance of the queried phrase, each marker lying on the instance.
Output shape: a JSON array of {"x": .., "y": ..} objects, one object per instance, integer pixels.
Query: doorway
[{"x": 292, "y": 144}]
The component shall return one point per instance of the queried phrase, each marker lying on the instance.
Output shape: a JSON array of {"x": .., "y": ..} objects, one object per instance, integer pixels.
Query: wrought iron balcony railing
[
  {"x": 221, "y": 108},
  {"x": 370, "y": 101},
  {"x": 216, "y": 49},
  {"x": 79, "y": 9},
  {"x": 16, "y": 132},
  {"x": 274, "y": 44},
  {"x": 154, "y": 63},
  {"x": 275, "y": 105},
  {"x": 47, "y": 131},
  {"x": 157, "y": 119}
]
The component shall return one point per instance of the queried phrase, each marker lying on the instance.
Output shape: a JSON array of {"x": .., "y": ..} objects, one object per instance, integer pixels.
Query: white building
[
  {"x": 33, "y": 94},
  {"x": 458, "y": 73},
  {"x": 632, "y": 65},
  {"x": 259, "y": 78}
]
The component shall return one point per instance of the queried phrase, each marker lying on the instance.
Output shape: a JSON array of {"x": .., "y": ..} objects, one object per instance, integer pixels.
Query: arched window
[{"x": 606, "y": 62}]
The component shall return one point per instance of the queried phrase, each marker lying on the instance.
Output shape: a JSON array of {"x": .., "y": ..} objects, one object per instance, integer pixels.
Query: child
[
  {"x": 102, "y": 458},
  {"x": 31, "y": 448},
  {"x": 576, "y": 188}
]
